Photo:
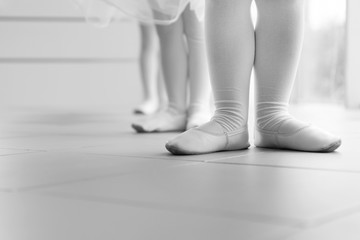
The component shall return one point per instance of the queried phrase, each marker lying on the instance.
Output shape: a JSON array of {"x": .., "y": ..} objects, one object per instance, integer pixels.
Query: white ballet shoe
[
  {"x": 164, "y": 121},
  {"x": 296, "y": 135},
  {"x": 147, "y": 108},
  {"x": 208, "y": 138}
]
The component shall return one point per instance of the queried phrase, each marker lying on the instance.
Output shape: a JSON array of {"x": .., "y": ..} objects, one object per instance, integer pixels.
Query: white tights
[
  {"x": 150, "y": 71},
  {"x": 273, "y": 49},
  {"x": 278, "y": 46},
  {"x": 183, "y": 57}
]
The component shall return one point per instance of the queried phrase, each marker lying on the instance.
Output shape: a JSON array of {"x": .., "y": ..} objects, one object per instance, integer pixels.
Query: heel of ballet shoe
[
  {"x": 265, "y": 139},
  {"x": 237, "y": 140}
]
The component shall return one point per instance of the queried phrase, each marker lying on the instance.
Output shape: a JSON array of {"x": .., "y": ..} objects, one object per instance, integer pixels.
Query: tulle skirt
[{"x": 101, "y": 12}]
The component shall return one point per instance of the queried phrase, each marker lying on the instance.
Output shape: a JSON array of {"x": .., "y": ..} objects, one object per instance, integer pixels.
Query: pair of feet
[
  {"x": 171, "y": 120},
  {"x": 292, "y": 134}
]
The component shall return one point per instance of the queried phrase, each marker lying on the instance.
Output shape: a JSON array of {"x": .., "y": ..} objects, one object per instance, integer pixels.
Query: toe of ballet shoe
[
  {"x": 138, "y": 112},
  {"x": 138, "y": 128},
  {"x": 141, "y": 129},
  {"x": 308, "y": 139},
  {"x": 331, "y": 147},
  {"x": 195, "y": 142},
  {"x": 313, "y": 139},
  {"x": 177, "y": 150}
]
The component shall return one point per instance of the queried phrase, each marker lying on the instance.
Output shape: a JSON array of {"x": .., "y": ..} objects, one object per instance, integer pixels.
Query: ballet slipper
[
  {"x": 147, "y": 108},
  {"x": 296, "y": 135},
  {"x": 165, "y": 121},
  {"x": 208, "y": 138}
]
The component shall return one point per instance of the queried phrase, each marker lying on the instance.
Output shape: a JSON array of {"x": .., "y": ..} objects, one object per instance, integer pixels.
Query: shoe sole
[
  {"x": 177, "y": 151},
  {"x": 331, "y": 148}
]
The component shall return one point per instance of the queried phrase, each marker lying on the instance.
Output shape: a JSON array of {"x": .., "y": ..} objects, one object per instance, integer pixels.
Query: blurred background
[
  {"x": 50, "y": 57},
  {"x": 321, "y": 74}
]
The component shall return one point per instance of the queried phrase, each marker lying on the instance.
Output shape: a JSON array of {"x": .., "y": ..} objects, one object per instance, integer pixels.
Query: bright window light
[{"x": 324, "y": 13}]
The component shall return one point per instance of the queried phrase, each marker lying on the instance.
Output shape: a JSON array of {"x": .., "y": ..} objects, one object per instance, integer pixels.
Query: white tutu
[{"x": 101, "y": 12}]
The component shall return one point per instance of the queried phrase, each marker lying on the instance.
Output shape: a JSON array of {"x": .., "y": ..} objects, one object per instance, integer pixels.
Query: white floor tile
[
  {"x": 33, "y": 171},
  {"x": 344, "y": 228},
  {"x": 277, "y": 195},
  {"x": 347, "y": 161},
  {"x": 153, "y": 146},
  {"x": 85, "y": 174},
  {"x": 43, "y": 218}
]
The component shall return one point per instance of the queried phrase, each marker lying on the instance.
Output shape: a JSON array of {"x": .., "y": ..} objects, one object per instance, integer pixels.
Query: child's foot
[
  {"x": 168, "y": 120},
  {"x": 208, "y": 138},
  {"x": 293, "y": 134},
  {"x": 196, "y": 119},
  {"x": 147, "y": 108}
]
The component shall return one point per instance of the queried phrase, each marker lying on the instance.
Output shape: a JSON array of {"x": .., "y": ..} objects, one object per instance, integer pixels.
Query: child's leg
[
  {"x": 149, "y": 69},
  {"x": 230, "y": 49},
  {"x": 163, "y": 99},
  {"x": 174, "y": 64},
  {"x": 199, "y": 81},
  {"x": 279, "y": 35}
]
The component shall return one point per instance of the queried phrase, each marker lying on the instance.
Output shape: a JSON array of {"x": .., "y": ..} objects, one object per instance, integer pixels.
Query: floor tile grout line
[
  {"x": 336, "y": 215},
  {"x": 239, "y": 156},
  {"x": 24, "y": 149},
  {"x": 327, "y": 219},
  {"x": 170, "y": 157},
  {"x": 286, "y": 167},
  {"x": 146, "y": 157},
  {"x": 90, "y": 179},
  {"x": 22, "y": 153},
  {"x": 219, "y": 161},
  {"x": 13, "y": 148},
  {"x": 195, "y": 210},
  {"x": 300, "y": 224}
]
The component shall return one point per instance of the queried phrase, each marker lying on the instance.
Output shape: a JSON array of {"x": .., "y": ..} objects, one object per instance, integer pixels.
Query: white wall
[{"x": 50, "y": 57}]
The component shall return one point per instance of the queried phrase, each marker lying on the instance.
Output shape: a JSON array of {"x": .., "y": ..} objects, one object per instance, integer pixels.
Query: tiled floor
[{"x": 84, "y": 174}]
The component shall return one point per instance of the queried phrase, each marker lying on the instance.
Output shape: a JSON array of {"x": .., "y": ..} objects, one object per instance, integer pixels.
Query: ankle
[
  {"x": 175, "y": 110},
  {"x": 194, "y": 109},
  {"x": 271, "y": 115},
  {"x": 272, "y": 122},
  {"x": 229, "y": 123}
]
